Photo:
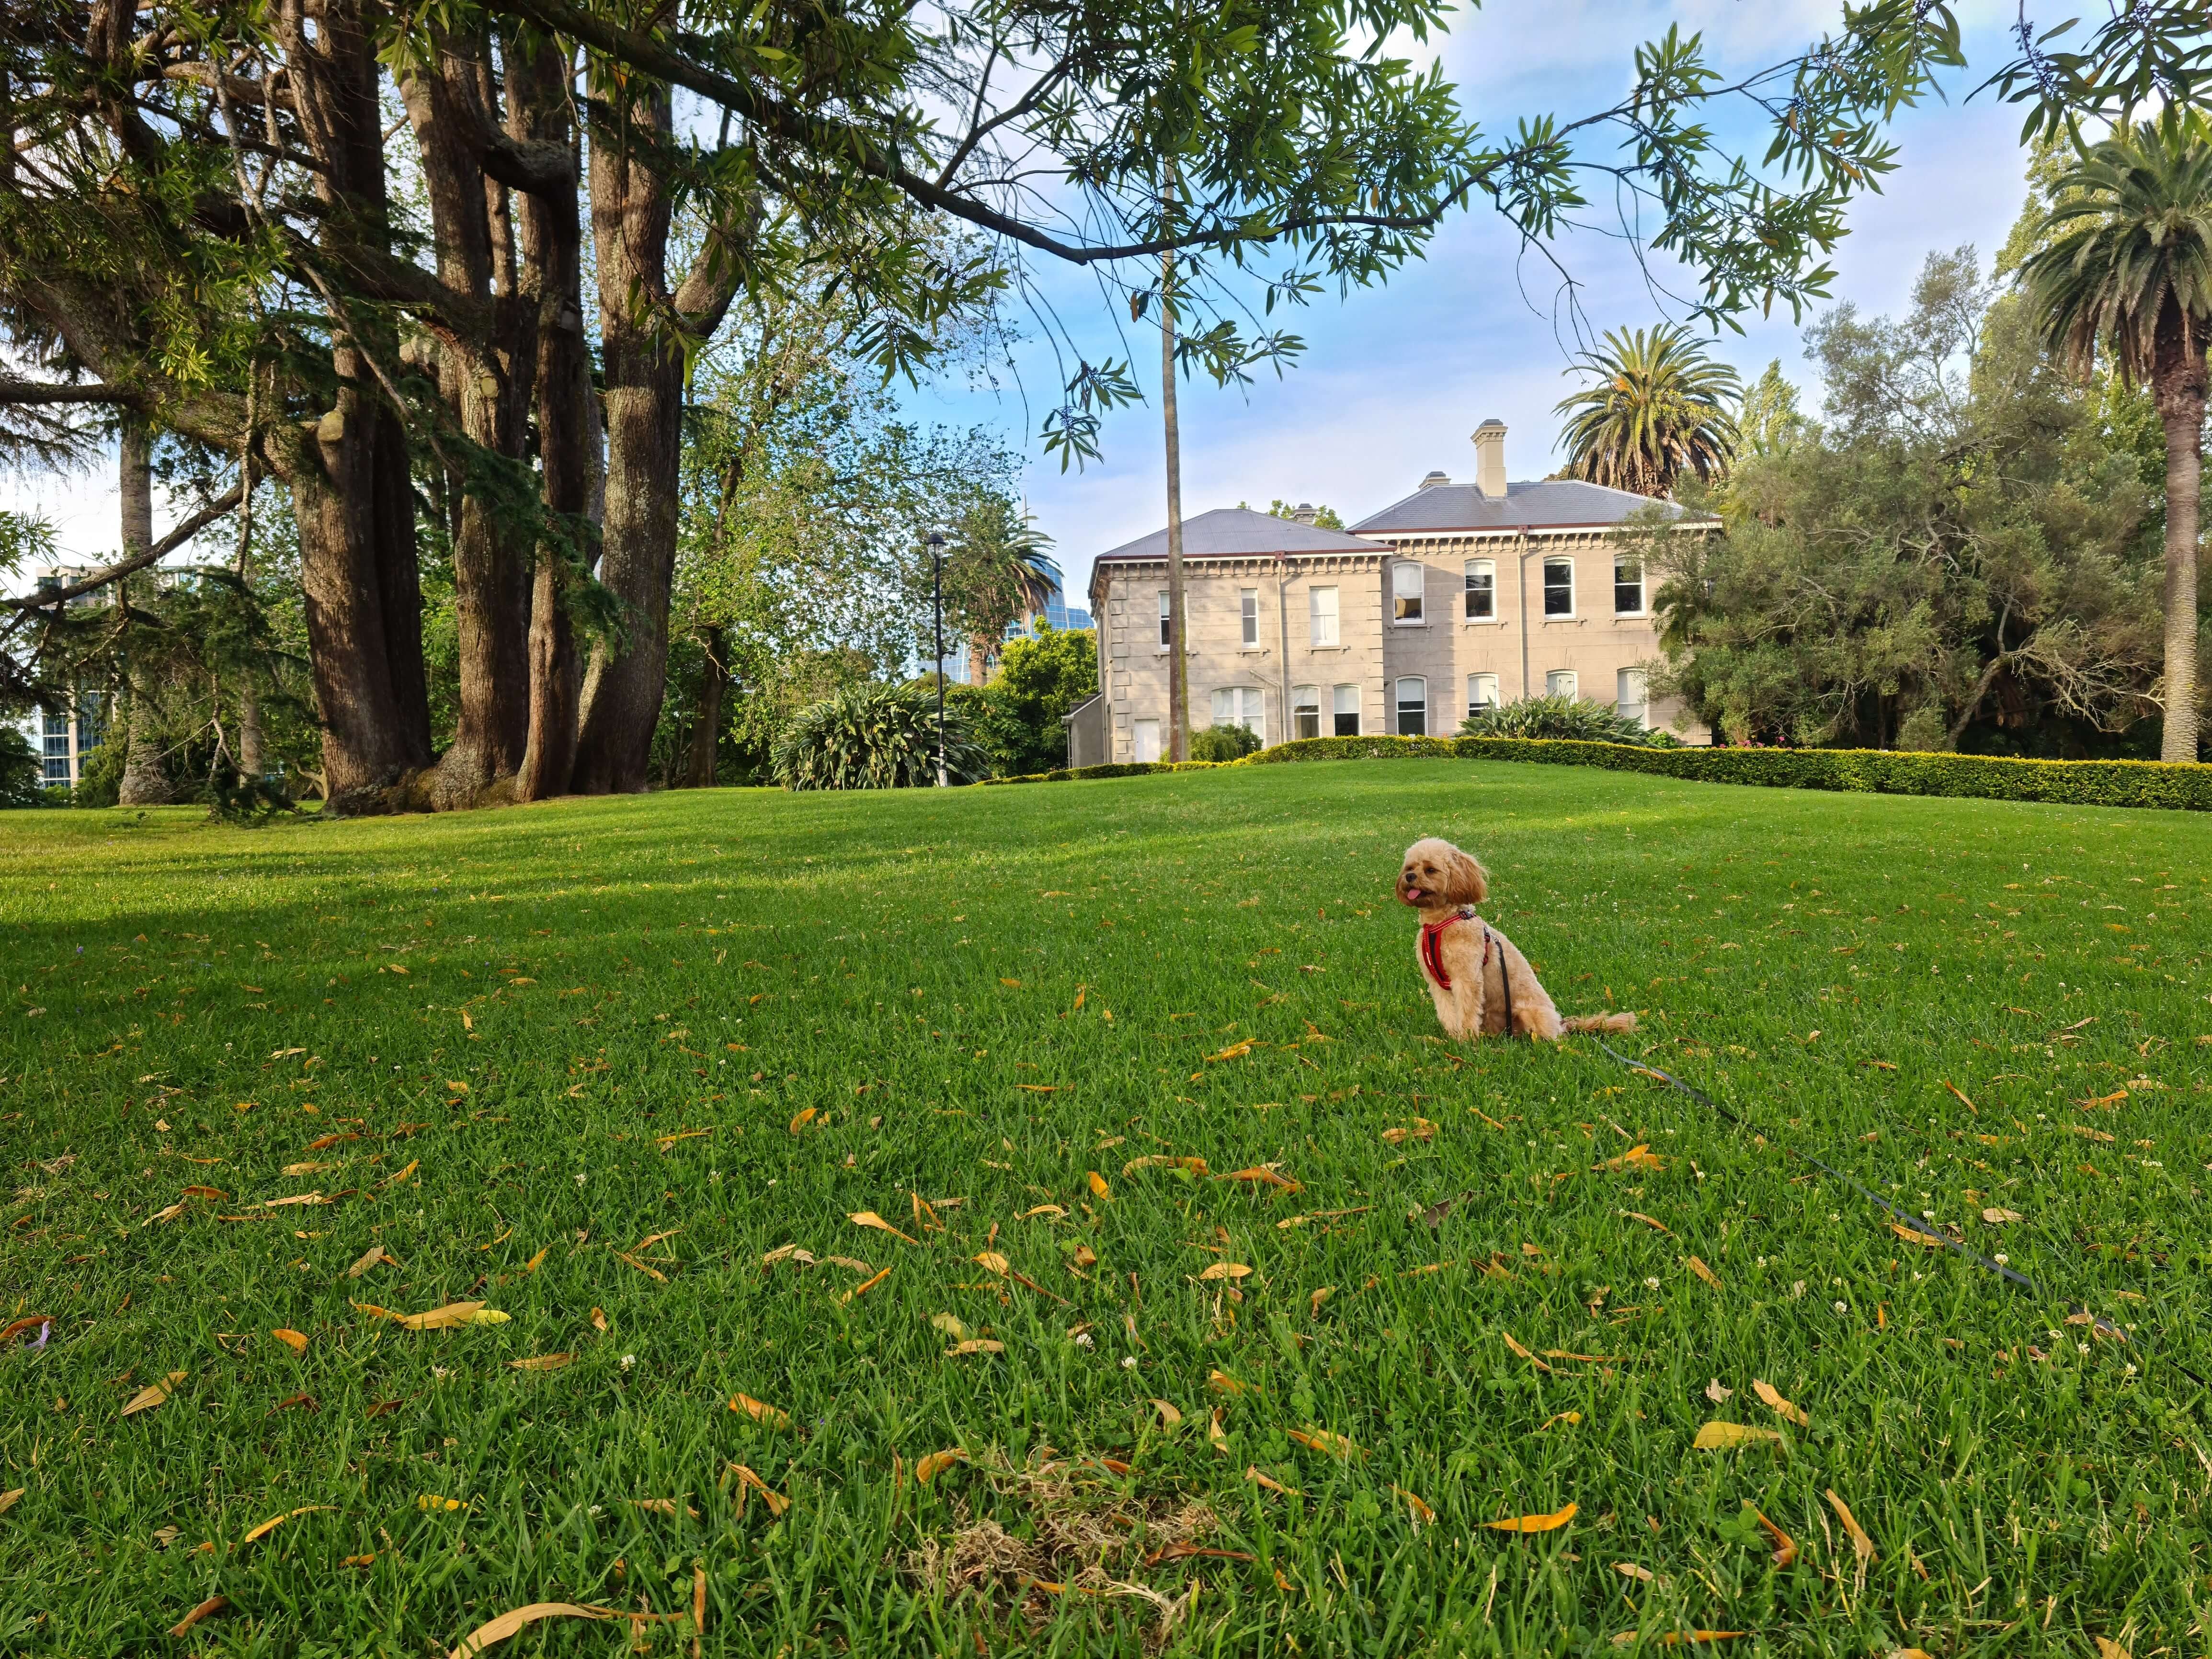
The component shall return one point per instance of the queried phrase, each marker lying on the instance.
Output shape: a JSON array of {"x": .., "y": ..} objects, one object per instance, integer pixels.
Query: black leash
[{"x": 2018, "y": 1280}]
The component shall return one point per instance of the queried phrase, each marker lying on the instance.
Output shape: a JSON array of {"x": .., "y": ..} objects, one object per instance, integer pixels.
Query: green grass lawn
[{"x": 599, "y": 1066}]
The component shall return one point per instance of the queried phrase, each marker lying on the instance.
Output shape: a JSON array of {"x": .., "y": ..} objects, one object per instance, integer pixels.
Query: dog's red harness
[{"x": 1432, "y": 956}]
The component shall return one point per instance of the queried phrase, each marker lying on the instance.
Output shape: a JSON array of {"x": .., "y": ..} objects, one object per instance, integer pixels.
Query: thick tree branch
[
  {"x": 223, "y": 504},
  {"x": 22, "y": 393}
]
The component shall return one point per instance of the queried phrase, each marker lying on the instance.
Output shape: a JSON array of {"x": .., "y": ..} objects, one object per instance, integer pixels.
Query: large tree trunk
[
  {"x": 2180, "y": 387},
  {"x": 551, "y": 239},
  {"x": 706, "y": 735},
  {"x": 1178, "y": 673},
  {"x": 144, "y": 782}
]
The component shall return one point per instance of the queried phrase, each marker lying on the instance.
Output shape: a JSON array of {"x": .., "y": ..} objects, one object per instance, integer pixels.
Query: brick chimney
[{"x": 1490, "y": 460}]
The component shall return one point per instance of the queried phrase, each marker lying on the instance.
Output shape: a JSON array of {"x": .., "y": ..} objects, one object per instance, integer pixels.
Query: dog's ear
[{"x": 1470, "y": 882}]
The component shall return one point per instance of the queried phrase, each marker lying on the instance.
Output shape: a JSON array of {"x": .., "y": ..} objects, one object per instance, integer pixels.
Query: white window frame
[
  {"x": 1305, "y": 706},
  {"x": 1324, "y": 618},
  {"x": 1339, "y": 697},
  {"x": 1486, "y": 569},
  {"x": 1242, "y": 705},
  {"x": 1643, "y": 592},
  {"x": 1563, "y": 683},
  {"x": 1399, "y": 595},
  {"x": 1477, "y": 684},
  {"x": 1398, "y": 704},
  {"x": 1248, "y": 615},
  {"x": 1636, "y": 707},
  {"x": 1167, "y": 620},
  {"x": 1545, "y": 587}
]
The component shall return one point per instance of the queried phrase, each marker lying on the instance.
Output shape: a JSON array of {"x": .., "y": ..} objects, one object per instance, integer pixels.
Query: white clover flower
[
  {"x": 579, "y": 1177},
  {"x": 1843, "y": 1307},
  {"x": 2002, "y": 1260},
  {"x": 1650, "y": 1284},
  {"x": 629, "y": 1361},
  {"x": 1128, "y": 1362},
  {"x": 1798, "y": 1288}
]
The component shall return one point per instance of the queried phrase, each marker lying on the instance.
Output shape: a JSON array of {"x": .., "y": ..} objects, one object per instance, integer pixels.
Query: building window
[
  {"x": 1413, "y": 707},
  {"x": 1481, "y": 590},
  {"x": 1562, "y": 682},
  {"x": 1147, "y": 735},
  {"x": 1628, "y": 695},
  {"x": 1481, "y": 693},
  {"x": 1627, "y": 587},
  {"x": 1167, "y": 623},
  {"x": 1321, "y": 613},
  {"x": 1305, "y": 711},
  {"x": 1247, "y": 608},
  {"x": 1347, "y": 708},
  {"x": 1558, "y": 588},
  {"x": 1241, "y": 705},
  {"x": 1406, "y": 591}
]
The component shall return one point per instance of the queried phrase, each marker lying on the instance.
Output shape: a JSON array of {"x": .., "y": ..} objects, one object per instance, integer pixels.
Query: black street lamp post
[{"x": 937, "y": 606}]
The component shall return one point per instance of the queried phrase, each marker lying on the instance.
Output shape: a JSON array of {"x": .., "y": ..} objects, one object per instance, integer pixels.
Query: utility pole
[
  {"x": 1178, "y": 678},
  {"x": 937, "y": 608}
]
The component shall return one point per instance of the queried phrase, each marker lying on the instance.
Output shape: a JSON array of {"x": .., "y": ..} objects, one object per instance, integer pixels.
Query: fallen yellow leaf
[
  {"x": 1914, "y": 1236},
  {"x": 538, "y": 1260},
  {"x": 293, "y": 1340},
  {"x": 1860, "y": 1542},
  {"x": 1258, "y": 1175},
  {"x": 544, "y": 1361},
  {"x": 431, "y": 1503},
  {"x": 152, "y": 1394},
  {"x": 2108, "y": 1649},
  {"x": 1630, "y": 1570},
  {"x": 777, "y": 1502},
  {"x": 1698, "y": 1267},
  {"x": 369, "y": 1258},
  {"x": 661, "y": 1506},
  {"x": 499, "y": 1629},
  {"x": 805, "y": 1117},
  {"x": 453, "y": 1315},
  {"x": 1723, "y": 1437},
  {"x": 1253, "y": 1474},
  {"x": 1099, "y": 1190},
  {"x": 974, "y": 1344},
  {"x": 760, "y": 1411},
  {"x": 865, "y": 1286},
  {"x": 1785, "y": 1547},
  {"x": 7, "y": 1499},
  {"x": 1169, "y": 1417},
  {"x": 1766, "y": 1391},
  {"x": 1222, "y": 1383},
  {"x": 1322, "y": 1440},
  {"x": 1997, "y": 1218},
  {"x": 1216, "y": 1436},
  {"x": 1226, "y": 1270},
  {"x": 991, "y": 1262},
  {"x": 1649, "y": 1221},
  {"x": 1512, "y": 1342},
  {"x": 1533, "y": 1522},
  {"x": 1196, "y": 1165},
  {"x": 937, "y": 1462},
  {"x": 1422, "y": 1514},
  {"x": 277, "y": 1521},
  {"x": 870, "y": 1218}
]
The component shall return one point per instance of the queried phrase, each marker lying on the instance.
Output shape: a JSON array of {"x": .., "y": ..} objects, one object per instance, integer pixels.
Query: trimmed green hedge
[
  {"x": 1869, "y": 771},
  {"x": 1872, "y": 771}
]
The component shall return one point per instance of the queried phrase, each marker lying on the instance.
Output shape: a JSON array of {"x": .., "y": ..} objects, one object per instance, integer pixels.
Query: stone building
[{"x": 1460, "y": 595}]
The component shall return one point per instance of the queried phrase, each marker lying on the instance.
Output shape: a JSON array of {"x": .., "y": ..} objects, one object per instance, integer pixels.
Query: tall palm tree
[
  {"x": 1658, "y": 408},
  {"x": 1001, "y": 575},
  {"x": 2126, "y": 271}
]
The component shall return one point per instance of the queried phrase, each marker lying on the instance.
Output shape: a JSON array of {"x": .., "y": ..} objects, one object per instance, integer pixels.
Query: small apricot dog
[{"x": 1481, "y": 984}]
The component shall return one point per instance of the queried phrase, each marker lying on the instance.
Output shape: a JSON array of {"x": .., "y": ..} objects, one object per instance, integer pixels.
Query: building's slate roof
[
  {"x": 1229, "y": 531},
  {"x": 1550, "y": 504}
]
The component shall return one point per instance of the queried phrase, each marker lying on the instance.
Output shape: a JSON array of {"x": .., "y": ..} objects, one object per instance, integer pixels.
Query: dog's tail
[{"x": 1601, "y": 1022}]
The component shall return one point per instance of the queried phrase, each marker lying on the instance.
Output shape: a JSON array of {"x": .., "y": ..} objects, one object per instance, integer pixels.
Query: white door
[{"x": 1146, "y": 734}]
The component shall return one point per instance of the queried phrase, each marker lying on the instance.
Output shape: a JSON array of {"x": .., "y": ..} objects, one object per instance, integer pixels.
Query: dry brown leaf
[
  {"x": 544, "y": 1361},
  {"x": 1785, "y": 1547},
  {"x": 1422, "y": 1514},
  {"x": 1958, "y": 1095},
  {"x": 1222, "y": 1383},
  {"x": 1099, "y": 1190},
  {"x": 1253, "y": 1474},
  {"x": 1718, "y": 1392},
  {"x": 1911, "y": 1653},
  {"x": 925, "y": 1217},
  {"x": 369, "y": 1258},
  {"x": 1724, "y": 1436},
  {"x": 1169, "y": 1417},
  {"x": 645, "y": 1267},
  {"x": 1914, "y": 1236},
  {"x": 870, "y": 1218},
  {"x": 1630, "y": 1570},
  {"x": 1419, "y": 1129},
  {"x": 1698, "y": 1266},
  {"x": 1055, "y": 1211},
  {"x": 974, "y": 1344},
  {"x": 449, "y": 1317},
  {"x": 1314, "y": 1302},
  {"x": 207, "y": 1609},
  {"x": 1513, "y": 1343},
  {"x": 1196, "y": 1165},
  {"x": 805, "y": 1117},
  {"x": 1226, "y": 1270},
  {"x": 277, "y": 1521},
  {"x": 2108, "y": 1649},
  {"x": 1216, "y": 1436},
  {"x": 1649, "y": 1221},
  {"x": 152, "y": 1394},
  {"x": 1639, "y": 1156},
  {"x": 777, "y": 1502},
  {"x": 1767, "y": 1392},
  {"x": 1570, "y": 1419},
  {"x": 1997, "y": 1218},
  {"x": 1533, "y": 1522},
  {"x": 1863, "y": 1545},
  {"x": 951, "y": 1324},
  {"x": 661, "y": 1506},
  {"x": 293, "y": 1340},
  {"x": 507, "y": 1624},
  {"x": 309, "y": 1169},
  {"x": 1258, "y": 1176},
  {"x": 7, "y": 1499},
  {"x": 1234, "y": 1051},
  {"x": 865, "y": 1286},
  {"x": 992, "y": 1262},
  {"x": 1322, "y": 1440},
  {"x": 929, "y": 1468},
  {"x": 538, "y": 1260},
  {"x": 598, "y": 1319},
  {"x": 760, "y": 1411}
]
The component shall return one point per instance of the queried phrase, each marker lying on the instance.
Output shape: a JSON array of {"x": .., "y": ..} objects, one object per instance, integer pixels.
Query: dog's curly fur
[{"x": 1437, "y": 879}]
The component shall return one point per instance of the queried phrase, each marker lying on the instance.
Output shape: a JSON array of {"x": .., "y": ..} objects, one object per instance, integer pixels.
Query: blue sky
[{"x": 1395, "y": 379}]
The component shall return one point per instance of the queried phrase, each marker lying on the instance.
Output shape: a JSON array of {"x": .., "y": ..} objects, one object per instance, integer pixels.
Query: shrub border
[{"x": 2158, "y": 785}]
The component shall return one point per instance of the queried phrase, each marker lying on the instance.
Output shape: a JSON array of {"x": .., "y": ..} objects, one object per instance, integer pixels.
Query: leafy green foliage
[
  {"x": 1222, "y": 743},
  {"x": 1657, "y": 408},
  {"x": 1016, "y": 719},
  {"x": 1559, "y": 716},
  {"x": 1953, "y": 558},
  {"x": 872, "y": 737},
  {"x": 22, "y": 776}
]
